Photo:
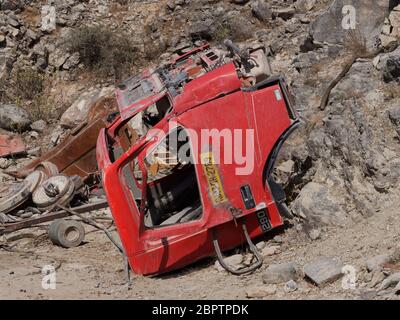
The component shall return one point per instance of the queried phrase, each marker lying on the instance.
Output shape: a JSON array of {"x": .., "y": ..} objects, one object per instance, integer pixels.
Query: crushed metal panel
[
  {"x": 75, "y": 155},
  {"x": 11, "y": 145}
]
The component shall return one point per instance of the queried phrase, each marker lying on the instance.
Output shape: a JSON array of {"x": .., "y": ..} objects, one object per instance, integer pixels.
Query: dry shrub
[
  {"x": 108, "y": 52},
  {"x": 356, "y": 43},
  {"x": 31, "y": 90},
  {"x": 28, "y": 83}
]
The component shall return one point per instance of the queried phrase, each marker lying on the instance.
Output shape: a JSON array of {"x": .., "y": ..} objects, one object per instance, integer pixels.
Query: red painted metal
[
  {"x": 11, "y": 145},
  {"x": 212, "y": 101},
  {"x": 218, "y": 82}
]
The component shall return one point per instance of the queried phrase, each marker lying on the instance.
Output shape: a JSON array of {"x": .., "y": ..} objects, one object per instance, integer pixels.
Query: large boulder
[
  {"x": 261, "y": 10},
  {"x": 78, "y": 112},
  {"x": 369, "y": 16},
  {"x": 13, "y": 118},
  {"x": 202, "y": 30},
  {"x": 317, "y": 205}
]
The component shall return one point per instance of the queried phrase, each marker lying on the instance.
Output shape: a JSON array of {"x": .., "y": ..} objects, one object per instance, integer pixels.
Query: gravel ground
[{"x": 95, "y": 269}]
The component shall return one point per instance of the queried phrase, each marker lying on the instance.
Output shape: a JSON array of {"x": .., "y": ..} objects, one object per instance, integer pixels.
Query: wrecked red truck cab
[{"x": 186, "y": 167}]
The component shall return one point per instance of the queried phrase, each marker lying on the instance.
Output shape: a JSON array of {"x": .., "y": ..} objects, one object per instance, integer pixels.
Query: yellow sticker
[{"x": 213, "y": 179}]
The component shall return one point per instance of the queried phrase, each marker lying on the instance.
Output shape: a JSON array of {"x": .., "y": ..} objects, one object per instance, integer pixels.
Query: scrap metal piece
[
  {"x": 58, "y": 189},
  {"x": 76, "y": 154},
  {"x": 11, "y": 146},
  {"x": 46, "y": 217},
  {"x": 12, "y": 196}
]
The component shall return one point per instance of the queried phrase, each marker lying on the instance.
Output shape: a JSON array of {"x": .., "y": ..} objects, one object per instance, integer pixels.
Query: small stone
[
  {"x": 261, "y": 245},
  {"x": 34, "y": 135},
  {"x": 290, "y": 286},
  {"x": 291, "y": 28},
  {"x": 287, "y": 166},
  {"x": 377, "y": 278},
  {"x": 284, "y": 13},
  {"x": 234, "y": 260},
  {"x": 323, "y": 271},
  {"x": 171, "y": 5},
  {"x": 261, "y": 292},
  {"x": 13, "y": 22},
  {"x": 4, "y": 163},
  {"x": 315, "y": 234},
  {"x": 14, "y": 118},
  {"x": 270, "y": 251},
  {"x": 39, "y": 126},
  {"x": 35, "y": 152},
  {"x": 56, "y": 135},
  {"x": 280, "y": 273},
  {"x": 278, "y": 239},
  {"x": 71, "y": 62}
]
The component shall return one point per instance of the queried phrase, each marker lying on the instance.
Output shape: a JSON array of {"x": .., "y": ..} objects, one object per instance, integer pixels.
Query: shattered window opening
[{"x": 172, "y": 195}]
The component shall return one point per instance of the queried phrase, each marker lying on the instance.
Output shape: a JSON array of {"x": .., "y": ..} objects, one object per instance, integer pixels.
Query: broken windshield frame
[{"x": 135, "y": 91}]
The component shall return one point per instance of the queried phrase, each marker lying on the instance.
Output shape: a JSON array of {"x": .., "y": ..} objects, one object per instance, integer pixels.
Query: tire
[{"x": 66, "y": 233}]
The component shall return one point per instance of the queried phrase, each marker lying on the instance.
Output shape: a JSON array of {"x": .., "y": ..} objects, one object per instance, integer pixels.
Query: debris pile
[
  {"x": 39, "y": 193},
  {"x": 60, "y": 178}
]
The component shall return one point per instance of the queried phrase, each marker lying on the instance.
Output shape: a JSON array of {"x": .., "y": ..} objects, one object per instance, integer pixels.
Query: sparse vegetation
[
  {"x": 356, "y": 43},
  {"x": 29, "y": 88},
  {"x": 24, "y": 84},
  {"x": 28, "y": 83},
  {"x": 101, "y": 50}
]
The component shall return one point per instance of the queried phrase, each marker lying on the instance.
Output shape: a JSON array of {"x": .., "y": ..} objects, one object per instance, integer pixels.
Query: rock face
[
  {"x": 14, "y": 118},
  {"x": 317, "y": 205},
  {"x": 80, "y": 108},
  {"x": 354, "y": 168},
  {"x": 369, "y": 15}
]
